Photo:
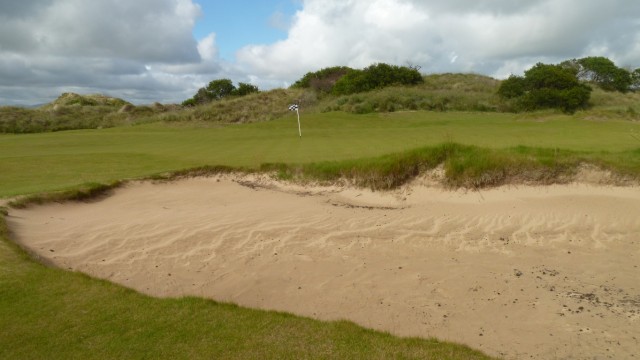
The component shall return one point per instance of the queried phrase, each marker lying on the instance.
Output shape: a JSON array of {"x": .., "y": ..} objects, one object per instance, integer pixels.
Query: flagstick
[{"x": 299, "y": 130}]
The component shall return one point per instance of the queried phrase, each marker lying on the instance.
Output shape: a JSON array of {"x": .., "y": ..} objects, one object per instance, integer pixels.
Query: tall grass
[
  {"x": 465, "y": 166},
  {"x": 78, "y": 115},
  {"x": 440, "y": 92},
  {"x": 263, "y": 106},
  {"x": 87, "y": 191}
]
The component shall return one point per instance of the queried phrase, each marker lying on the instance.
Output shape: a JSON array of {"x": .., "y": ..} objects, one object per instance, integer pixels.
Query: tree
[
  {"x": 546, "y": 86},
  {"x": 376, "y": 76},
  {"x": 602, "y": 72},
  {"x": 512, "y": 87},
  {"x": 322, "y": 80},
  {"x": 635, "y": 79},
  {"x": 219, "y": 89},
  {"x": 245, "y": 89}
]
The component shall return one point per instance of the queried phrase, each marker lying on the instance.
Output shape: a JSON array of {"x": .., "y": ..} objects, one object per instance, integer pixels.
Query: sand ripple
[{"x": 520, "y": 272}]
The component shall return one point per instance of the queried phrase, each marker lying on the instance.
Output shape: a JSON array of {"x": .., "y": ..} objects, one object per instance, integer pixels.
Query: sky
[{"x": 147, "y": 51}]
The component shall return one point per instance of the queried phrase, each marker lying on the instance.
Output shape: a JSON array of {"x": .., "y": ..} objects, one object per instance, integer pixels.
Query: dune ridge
[{"x": 536, "y": 272}]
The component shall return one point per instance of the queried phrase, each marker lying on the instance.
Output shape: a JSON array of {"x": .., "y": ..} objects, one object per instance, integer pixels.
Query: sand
[{"x": 520, "y": 272}]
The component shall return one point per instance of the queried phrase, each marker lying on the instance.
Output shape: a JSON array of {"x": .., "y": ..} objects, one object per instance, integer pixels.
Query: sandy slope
[{"x": 521, "y": 272}]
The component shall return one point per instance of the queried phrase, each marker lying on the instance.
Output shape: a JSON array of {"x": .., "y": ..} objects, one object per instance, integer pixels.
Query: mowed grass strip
[
  {"x": 50, "y": 313},
  {"x": 58, "y": 161}
]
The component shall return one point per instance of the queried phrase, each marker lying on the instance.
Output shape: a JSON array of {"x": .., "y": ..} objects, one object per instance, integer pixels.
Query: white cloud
[
  {"x": 488, "y": 36},
  {"x": 145, "y": 50},
  {"x": 207, "y": 47},
  {"x": 111, "y": 46}
]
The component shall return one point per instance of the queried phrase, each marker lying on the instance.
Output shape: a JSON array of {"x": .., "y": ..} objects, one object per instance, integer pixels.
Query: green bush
[
  {"x": 218, "y": 90},
  {"x": 376, "y": 76},
  {"x": 322, "y": 80},
  {"x": 438, "y": 92},
  {"x": 512, "y": 87},
  {"x": 602, "y": 72},
  {"x": 546, "y": 86}
]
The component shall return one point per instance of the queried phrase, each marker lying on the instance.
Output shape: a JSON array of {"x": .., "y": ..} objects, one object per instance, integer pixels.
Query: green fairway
[{"x": 51, "y": 161}]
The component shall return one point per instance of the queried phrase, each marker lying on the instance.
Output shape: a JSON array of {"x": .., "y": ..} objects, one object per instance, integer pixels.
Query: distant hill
[
  {"x": 71, "y": 111},
  {"x": 437, "y": 92},
  {"x": 73, "y": 99}
]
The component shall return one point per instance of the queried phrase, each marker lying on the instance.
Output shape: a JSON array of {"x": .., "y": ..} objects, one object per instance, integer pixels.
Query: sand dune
[{"x": 519, "y": 272}]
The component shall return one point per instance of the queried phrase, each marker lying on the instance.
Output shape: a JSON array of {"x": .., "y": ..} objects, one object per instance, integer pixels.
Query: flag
[{"x": 295, "y": 107}]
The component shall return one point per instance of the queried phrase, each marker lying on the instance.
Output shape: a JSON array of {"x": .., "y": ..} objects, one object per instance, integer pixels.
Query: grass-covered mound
[
  {"x": 254, "y": 107},
  {"x": 72, "y": 111},
  {"x": 436, "y": 92},
  {"x": 442, "y": 92}
]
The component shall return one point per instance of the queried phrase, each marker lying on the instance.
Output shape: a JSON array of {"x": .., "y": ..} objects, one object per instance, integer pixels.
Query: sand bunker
[{"x": 518, "y": 272}]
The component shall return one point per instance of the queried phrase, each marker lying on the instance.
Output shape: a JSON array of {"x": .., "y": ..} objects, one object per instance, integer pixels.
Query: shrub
[
  {"x": 245, "y": 89},
  {"x": 602, "y": 72},
  {"x": 376, "y": 76},
  {"x": 322, "y": 80},
  {"x": 546, "y": 86},
  {"x": 512, "y": 87},
  {"x": 219, "y": 89}
]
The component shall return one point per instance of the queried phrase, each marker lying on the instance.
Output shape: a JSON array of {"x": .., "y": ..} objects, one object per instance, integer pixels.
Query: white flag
[{"x": 295, "y": 107}]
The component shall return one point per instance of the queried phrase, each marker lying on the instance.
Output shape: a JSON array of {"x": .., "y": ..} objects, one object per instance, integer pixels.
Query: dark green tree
[
  {"x": 245, "y": 89},
  {"x": 512, "y": 87},
  {"x": 322, "y": 80},
  {"x": 635, "y": 79},
  {"x": 376, "y": 76},
  {"x": 219, "y": 89},
  {"x": 546, "y": 86},
  {"x": 602, "y": 72}
]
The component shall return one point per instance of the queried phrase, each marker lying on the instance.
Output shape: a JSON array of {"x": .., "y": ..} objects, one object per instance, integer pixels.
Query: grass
[
  {"x": 51, "y": 313},
  {"x": 72, "y": 111},
  {"x": 439, "y": 92},
  {"x": 47, "y": 162}
]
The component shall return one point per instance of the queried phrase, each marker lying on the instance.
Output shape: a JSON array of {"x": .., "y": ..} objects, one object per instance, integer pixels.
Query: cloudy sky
[{"x": 164, "y": 50}]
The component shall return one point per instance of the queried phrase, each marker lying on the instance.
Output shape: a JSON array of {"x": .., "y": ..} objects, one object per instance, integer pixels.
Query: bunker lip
[{"x": 515, "y": 271}]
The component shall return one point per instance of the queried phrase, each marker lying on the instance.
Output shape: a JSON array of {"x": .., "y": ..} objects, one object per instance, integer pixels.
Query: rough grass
[
  {"x": 83, "y": 192},
  {"x": 72, "y": 111},
  {"x": 263, "y": 106},
  {"x": 465, "y": 166},
  {"x": 440, "y": 92}
]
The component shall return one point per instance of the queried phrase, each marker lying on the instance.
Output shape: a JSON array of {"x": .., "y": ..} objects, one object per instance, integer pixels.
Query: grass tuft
[
  {"x": 465, "y": 166},
  {"x": 84, "y": 192},
  {"x": 207, "y": 170}
]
